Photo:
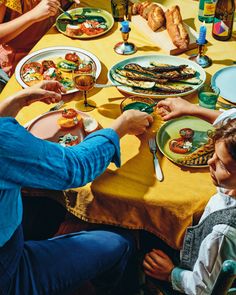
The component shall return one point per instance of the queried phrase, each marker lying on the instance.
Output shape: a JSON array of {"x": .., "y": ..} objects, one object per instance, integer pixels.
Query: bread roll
[
  {"x": 135, "y": 8},
  {"x": 147, "y": 9},
  {"x": 156, "y": 18},
  {"x": 175, "y": 27},
  {"x": 143, "y": 6}
]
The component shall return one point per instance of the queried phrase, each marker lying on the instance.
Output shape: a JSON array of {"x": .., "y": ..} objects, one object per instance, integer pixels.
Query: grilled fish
[
  {"x": 132, "y": 83},
  {"x": 199, "y": 156},
  {"x": 139, "y": 76},
  {"x": 159, "y": 68}
]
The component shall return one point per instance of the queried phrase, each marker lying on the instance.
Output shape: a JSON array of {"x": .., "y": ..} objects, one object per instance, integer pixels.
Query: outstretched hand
[
  {"x": 158, "y": 265},
  {"x": 175, "y": 107},
  {"x": 45, "y": 91}
]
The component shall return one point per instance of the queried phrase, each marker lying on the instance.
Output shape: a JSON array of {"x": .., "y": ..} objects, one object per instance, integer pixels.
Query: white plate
[
  {"x": 54, "y": 52},
  {"x": 163, "y": 59},
  {"x": 225, "y": 80}
]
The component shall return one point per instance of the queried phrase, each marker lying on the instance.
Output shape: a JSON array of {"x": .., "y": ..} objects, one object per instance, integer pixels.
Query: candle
[
  {"x": 202, "y": 35},
  {"x": 125, "y": 26}
]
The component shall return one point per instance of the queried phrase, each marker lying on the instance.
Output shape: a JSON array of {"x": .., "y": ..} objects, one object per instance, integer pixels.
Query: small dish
[{"x": 137, "y": 103}]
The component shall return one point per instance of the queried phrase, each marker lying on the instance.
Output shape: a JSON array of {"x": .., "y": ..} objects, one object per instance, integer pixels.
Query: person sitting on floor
[
  {"x": 61, "y": 264},
  {"x": 212, "y": 241}
]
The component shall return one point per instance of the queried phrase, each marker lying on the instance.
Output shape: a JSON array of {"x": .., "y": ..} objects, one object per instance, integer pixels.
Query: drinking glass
[
  {"x": 84, "y": 79},
  {"x": 207, "y": 96}
]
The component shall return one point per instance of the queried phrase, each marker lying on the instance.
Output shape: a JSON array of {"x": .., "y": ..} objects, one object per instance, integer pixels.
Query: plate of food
[
  {"x": 186, "y": 141},
  {"x": 86, "y": 23},
  {"x": 55, "y": 63},
  {"x": 157, "y": 76},
  {"x": 67, "y": 127}
]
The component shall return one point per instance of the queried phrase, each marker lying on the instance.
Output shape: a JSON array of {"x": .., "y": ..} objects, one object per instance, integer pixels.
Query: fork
[
  {"x": 57, "y": 106},
  {"x": 153, "y": 149},
  {"x": 66, "y": 13},
  {"x": 96, "y": 85}
]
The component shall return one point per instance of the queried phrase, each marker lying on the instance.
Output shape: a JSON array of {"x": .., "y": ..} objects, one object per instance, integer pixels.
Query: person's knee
[{"x": 116, "y": 243}]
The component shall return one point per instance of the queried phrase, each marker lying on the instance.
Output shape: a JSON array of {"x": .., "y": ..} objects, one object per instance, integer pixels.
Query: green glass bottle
[{"x": 206, "y": 10}]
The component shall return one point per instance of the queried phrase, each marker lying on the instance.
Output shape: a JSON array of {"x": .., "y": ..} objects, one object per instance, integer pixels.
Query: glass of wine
[{"x": 84, "y": 79}]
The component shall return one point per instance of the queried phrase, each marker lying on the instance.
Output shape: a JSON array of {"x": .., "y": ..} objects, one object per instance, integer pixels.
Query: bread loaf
[
  {"x": 143, "y": 6},
  {"x": 156, "y": 18},
  {"x": 147, "y": 9},
  {"x": 135, "y": 8},
  {"x": 175, "y": 27}
]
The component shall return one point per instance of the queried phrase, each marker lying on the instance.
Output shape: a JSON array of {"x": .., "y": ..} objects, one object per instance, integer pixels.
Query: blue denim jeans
[{"x": 60, "y": 265}]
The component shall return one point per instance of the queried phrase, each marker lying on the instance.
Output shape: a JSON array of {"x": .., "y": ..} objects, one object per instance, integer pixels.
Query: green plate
[
  {"x": 145, "y": 60},
  {"x": 170, "y": 130},
  {"x": 86, "y": 13}
]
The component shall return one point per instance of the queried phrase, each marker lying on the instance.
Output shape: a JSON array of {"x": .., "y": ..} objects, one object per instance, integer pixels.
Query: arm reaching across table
[{"x": 171, "y": 108}]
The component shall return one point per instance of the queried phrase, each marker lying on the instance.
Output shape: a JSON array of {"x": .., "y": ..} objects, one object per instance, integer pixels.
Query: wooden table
[{"x": 131, "y": 196}]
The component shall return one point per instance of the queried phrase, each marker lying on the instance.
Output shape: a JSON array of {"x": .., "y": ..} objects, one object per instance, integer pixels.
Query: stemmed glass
[{"x": 84, "y": 79}]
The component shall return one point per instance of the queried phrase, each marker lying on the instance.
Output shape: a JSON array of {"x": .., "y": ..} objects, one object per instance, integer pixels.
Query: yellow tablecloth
[{"x": 131, "y": 196}]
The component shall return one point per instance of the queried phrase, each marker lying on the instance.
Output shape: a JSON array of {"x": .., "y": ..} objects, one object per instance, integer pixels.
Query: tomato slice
[
  {"x": 84, "y": 68},
  {"x": 69, "y": 113},
  {"x": 177, "y": 146},
  {"x": 72, "y": 57},
  {"x": 91, "y": 28},
  {"x": 36, "y": 66}
]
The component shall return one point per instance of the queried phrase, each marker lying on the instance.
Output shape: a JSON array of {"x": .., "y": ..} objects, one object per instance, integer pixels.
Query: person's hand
[
  {"x": 45, "y": 91},
  {"x": 132, "y": 122},
  {"x": 175, "y": 107},
  {"x": 158, "y": 265},
  {"x": 45, "y": 9}
]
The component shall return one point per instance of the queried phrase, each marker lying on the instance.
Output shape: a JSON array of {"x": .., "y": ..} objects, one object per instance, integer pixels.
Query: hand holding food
[
  {"x": 175, "y": 107},
  {"x": 45, "y": 9},
  {"x": 132, "y": 122}
]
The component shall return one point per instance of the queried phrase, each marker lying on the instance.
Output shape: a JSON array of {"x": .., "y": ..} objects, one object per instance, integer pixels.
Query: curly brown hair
[{"x": 227, "y": 133}]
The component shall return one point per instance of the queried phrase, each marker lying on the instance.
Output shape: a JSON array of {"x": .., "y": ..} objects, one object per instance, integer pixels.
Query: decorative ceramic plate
[
  {"x": 145, "y": 61},
  {"x": 195, "y": 157},
  {"x": 90, "y": 22},
  {"x": 53, "y": 54},
  {"x": 47, "y": 128},
  {"x": 225, "y": 80}
]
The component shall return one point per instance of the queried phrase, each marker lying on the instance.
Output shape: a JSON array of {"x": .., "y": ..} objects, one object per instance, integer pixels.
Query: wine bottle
[
  {"x": 223, "y": 20},
  {"x": 206, "y": 10}
]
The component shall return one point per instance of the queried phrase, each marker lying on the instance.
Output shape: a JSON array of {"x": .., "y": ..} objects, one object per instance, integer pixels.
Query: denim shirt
[{"x": 29, "y": 161}]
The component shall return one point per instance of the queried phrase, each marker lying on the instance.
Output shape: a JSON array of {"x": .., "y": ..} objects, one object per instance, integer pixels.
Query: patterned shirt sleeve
[{"x": 13, "y": 5}]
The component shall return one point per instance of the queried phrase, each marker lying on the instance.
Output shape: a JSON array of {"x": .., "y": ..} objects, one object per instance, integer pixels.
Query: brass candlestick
[
  {"x": 125, "y": 47},
  {"x": 203, "y": 60}
]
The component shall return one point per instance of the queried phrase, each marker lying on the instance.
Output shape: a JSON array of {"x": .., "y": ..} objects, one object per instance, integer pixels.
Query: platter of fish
[
  {"x": 186, "y": 141},
  {"x": 157, "y": 76}
]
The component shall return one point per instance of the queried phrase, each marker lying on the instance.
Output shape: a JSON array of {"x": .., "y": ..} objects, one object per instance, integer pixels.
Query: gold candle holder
[
  {"x": 200, "y": 58},
  {"x": 125, "y": 47}
]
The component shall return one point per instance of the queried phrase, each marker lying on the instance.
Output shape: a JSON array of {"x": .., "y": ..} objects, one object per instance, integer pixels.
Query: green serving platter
[
  {"x": 85, "y": 13},
  {"x": 170, "y": 130}
]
